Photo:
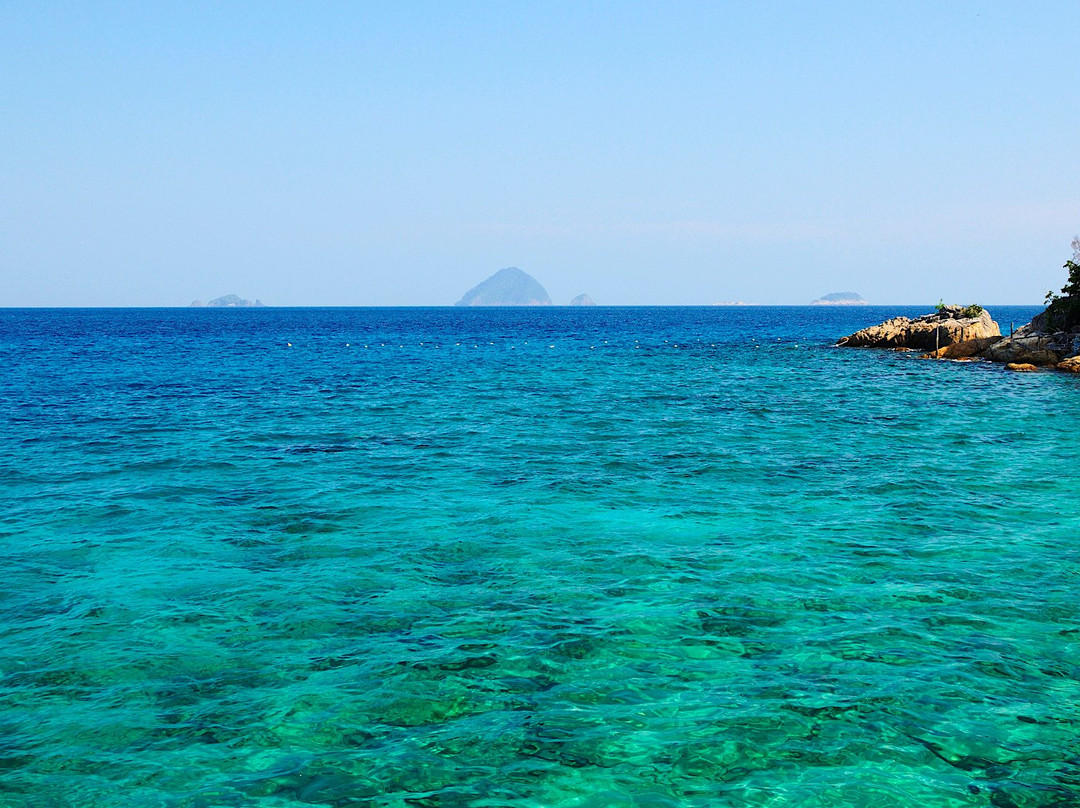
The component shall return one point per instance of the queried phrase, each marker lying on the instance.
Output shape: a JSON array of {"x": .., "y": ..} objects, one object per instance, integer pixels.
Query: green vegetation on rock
[
  {"x": 1063, "y": 310},
  {"x": 966, "y": 313},
  {"x": 972, "y": 311}
]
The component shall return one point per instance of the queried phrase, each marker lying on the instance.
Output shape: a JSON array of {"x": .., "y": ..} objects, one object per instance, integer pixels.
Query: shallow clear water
[{"x": 592, "y": 557}]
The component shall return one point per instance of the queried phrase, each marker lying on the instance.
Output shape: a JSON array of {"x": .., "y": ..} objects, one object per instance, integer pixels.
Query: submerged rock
[{"x": 929, "y": 332}]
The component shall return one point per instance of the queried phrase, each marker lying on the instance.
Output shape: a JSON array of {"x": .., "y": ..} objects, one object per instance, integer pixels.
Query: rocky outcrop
[
  {"x": 507, "y": 287},
  {"x": 582, "y": 300},
  {"x": 929, "y": 332},
  {"x": 968, "y": 349},
  {"x": 1031, "y": 346},
  {"x": 960, "y": 337}
]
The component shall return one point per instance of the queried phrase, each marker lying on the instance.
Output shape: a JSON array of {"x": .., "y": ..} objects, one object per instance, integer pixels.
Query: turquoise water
[{"x": 598, "y": 557}]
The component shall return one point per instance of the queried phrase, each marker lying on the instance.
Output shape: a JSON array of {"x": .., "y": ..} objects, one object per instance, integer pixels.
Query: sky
[{"x": 642, "y": 153}]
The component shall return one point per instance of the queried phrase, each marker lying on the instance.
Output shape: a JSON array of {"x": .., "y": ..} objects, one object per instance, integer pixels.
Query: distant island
[
  {"x": 582, "y": 300},
  {"x": 229, "y": 302},
  {"x": 507, "y": 287},
  {"x": 840, "y": 299}
]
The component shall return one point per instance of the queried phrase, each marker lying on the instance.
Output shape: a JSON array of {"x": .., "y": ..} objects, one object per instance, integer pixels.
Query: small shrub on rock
[{"x": 1063, "y": 310}]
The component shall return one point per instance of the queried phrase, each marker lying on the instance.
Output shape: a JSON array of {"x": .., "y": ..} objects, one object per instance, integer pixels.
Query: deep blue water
[{"x": 530, "y": 557}]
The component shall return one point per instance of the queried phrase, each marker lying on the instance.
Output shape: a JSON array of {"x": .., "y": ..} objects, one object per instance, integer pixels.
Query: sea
[{"x": 547, "y": 557}]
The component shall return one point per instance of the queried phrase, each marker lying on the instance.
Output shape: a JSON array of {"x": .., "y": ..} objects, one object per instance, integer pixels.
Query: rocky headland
[{"x": 957, "y": 332}]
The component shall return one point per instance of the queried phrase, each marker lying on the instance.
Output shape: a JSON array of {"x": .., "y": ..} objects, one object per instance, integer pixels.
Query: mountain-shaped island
[
  {"x": 229, "y": 302},
  {"x": 507, "y": 287},
  {"x": 840, "y": 299},
  {"x": 582, "y": 300}
]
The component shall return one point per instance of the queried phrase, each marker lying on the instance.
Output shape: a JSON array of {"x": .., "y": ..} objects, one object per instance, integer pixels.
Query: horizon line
[{"x": 541, "y": 306}]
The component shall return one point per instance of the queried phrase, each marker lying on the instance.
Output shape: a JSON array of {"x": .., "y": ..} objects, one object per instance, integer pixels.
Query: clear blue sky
[{"x": 397, "y": 154}]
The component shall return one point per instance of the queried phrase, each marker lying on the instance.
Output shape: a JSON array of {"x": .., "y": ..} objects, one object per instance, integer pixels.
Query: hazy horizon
[
  {"x": 646, "y": 154},
  {"x": 868, "y": 305}
]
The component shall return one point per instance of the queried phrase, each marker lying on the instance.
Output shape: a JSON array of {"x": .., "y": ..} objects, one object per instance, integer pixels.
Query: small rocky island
[
  {"x": 840, "y": 299},
  {"x": 507, "y": 287},
  {"x": 582, "y": 300},
  {"x": 229, "y": 302}
]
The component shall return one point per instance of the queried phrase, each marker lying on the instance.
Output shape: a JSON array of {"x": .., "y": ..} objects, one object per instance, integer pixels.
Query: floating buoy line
[{"x": 637, "y": 345}]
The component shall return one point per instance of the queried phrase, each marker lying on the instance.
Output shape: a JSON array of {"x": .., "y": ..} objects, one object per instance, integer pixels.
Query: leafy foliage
[
  {"x": 1063, "y": 310},
  {"x": 966, "y": 313},
  {"x": 972, "y": 311}
]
